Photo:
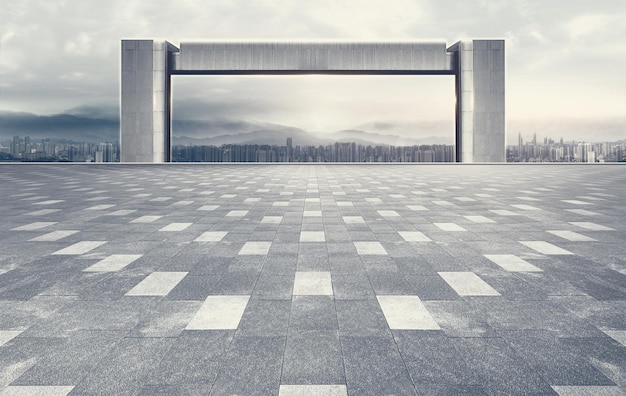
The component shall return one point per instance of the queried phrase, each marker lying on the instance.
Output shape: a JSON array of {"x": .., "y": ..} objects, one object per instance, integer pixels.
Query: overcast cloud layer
[{"x": 565, "y": 59}]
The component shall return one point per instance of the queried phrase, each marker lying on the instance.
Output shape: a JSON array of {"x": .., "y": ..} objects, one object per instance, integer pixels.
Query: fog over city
[{"x": 59, "y": 67}]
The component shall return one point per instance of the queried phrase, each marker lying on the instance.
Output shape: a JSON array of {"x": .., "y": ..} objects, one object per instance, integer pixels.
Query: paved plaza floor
[{"x": 221, "y": 279}]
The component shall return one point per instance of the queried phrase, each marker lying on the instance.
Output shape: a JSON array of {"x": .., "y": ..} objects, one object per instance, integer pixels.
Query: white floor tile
[
  {"x": 388, "y": 213},
  {"x": 312, "y": 213},
  {"x": 591, "y": 226},
  {"x": 414, "y": 236},
  {"x": 353, "y": 220},
  {"x": 281, "y": 203},
  {"x": 468, "y": 284},
  {"x": 255, "y": 248},
  {"x": 312, "y": 236},
  {"x": 311, "y": 200},
  {"x": 211, "y": 236},
  {"x": 583, "y": 212},
  {"x": 49, "y": 202},
  {"x": 406, "y": 313},
  {"x": 417, "y": 208},
  {"x": 373, "y": 200},
  {"x": 36, "y": 390},
  {"x": 113, "y": 263},
  {"x": 99, "y": 207},
  {"x": 451, "y": 227},
  {"x": 313, "y": 390},
  {"x": 571, "y": 236},
  {"x": 365, "y": 248},
  {"x": 251, "y": 200},
  {"x": 146, "y": 219},
  {"x": 175, "y": 227},
  {"x": 465, "y": 199},
  {"x": 512, "y": 263},
  {"x": 504, "y": 212},
  {"x": 479, "y": 219},
  {"x": 219, "y": 313},
  {"x": 160, "y": 199},
  {"x": 182, "y": 203},
  {"x": 545, "y": 247},
  {"x": 237, "y": 213},
  {"x": 617, "y": 335},
  {"x": 8, "y": 335},
  {"x": 157, "y": 284},
  {"x": 272, "y": 219},
  {"x": 54, "y": 236},
  {"x": 312, "y": 284},
  {"x": 576, "y": 202},
  {"x": 208, "y": 207},
  {"x": 34, "y": 226},
  {"x": 122, "y": 212},
  {"x": 80, "y": 247},
  {"x": 443, "y": 203},
  {"x": 525, "y": 207},
  {"x": 344, "y": 203}
]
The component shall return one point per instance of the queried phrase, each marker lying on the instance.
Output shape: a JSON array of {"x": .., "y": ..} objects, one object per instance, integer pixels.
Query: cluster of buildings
[
  {"x": 337, "y": 152},
  {"x": 562, "y": 151},
  {"x": 26, "y": 150}
]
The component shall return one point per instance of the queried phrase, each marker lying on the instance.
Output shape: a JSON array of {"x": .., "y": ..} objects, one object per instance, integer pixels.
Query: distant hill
[
  {"x": 94, "y": 125},
  {"x": 274, "y": 135},
  {"x": 69, "y": 127},
  {"x": 370, "y": 138}
]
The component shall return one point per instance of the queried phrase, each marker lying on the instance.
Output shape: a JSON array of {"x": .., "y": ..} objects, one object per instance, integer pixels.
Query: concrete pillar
[
  {"x": 480, "y": 122},
  {"x": 145, "y": 115}
]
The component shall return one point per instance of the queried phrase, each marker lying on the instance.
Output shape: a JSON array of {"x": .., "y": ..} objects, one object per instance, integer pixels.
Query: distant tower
[{"x": 289, "y": 150}]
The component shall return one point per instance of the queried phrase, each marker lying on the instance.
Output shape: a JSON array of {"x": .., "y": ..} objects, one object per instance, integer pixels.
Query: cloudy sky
[{"x": 565, "y": 60}]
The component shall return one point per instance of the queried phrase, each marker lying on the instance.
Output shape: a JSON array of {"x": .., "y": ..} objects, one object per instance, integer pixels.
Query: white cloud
[
  {"x": 58, "y": 54},
  {"x": 586, "y": 25}
]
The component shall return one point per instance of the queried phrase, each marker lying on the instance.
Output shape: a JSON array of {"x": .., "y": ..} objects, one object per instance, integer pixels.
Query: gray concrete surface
[{"x": 325, "y": 279}]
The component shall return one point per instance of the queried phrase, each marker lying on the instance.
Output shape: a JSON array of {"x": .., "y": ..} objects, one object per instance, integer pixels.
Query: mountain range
[
  {"x": 92, "y": 125},
  {"x": 96, "y": 124}
]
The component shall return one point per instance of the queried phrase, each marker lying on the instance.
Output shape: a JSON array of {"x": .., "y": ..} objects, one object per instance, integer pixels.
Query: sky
[{"x": 564, "y": 60}]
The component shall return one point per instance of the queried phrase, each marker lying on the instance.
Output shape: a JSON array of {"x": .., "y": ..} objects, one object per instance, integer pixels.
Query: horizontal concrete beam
[{"x": 241, "y": 57}]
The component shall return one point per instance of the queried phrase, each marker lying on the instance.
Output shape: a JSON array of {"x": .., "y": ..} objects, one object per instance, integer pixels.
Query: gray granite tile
[
  {"x": 374, "y": 366},
  {"x": 313, "y": 357},
  {"x": 126, "y": 367},
  {"x": 313, "y": 313},
  {"x": 251, "y": 367}
]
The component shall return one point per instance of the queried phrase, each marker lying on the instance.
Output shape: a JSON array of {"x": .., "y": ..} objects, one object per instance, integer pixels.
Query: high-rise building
[{"x": 289, "y": 150}]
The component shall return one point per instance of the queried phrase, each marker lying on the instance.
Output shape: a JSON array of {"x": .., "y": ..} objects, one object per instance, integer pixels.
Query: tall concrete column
[
  {"x": 145, "y": 113},
  {"x": 480, "y": 122}
]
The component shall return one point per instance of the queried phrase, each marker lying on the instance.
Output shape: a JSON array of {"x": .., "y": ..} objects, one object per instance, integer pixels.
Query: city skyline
[
  {"x": 562, "y": 61},
  {"x": 25, "y": 149}
]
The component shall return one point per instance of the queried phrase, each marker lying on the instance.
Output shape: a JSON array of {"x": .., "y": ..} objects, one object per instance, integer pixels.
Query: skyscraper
[{"x": 289, "y": 150}]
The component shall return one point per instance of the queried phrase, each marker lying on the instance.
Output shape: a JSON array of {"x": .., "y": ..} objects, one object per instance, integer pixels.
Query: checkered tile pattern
[{"x": 312, "y": 279}]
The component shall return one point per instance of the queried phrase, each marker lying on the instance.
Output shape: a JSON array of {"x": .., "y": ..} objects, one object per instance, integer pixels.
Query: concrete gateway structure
[{"x": 147, "y": 67}]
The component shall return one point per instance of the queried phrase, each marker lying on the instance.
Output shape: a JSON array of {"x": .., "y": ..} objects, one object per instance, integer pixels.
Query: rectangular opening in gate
[{"x": 313, "y": 118}]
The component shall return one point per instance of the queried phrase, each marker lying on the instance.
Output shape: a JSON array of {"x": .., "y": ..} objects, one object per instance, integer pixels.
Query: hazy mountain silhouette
[{"x": 77, "y": 128}]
